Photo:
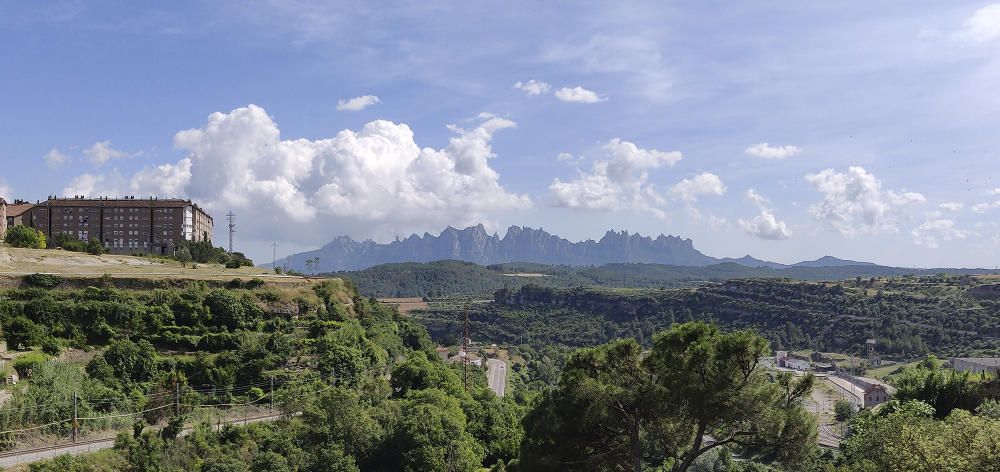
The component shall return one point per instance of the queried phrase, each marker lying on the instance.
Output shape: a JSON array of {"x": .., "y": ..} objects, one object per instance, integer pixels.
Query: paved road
[
  {"x": 496, "y": 373},
  {"x": 10, "y": 459}
]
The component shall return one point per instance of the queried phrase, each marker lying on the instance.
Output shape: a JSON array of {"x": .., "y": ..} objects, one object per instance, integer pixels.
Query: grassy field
[
  {"x": 19, "y": 262},
  {"x": 883, "y": 373}
]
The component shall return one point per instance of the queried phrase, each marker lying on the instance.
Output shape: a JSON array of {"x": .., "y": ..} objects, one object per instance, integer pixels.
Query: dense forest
[
  {"x": 908, "y": 316},
  {"x": 357, "y": 386},
  {"x": 444, "y": 278}
]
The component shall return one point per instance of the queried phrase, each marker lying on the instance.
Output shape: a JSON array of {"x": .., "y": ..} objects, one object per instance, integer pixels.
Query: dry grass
[
  {"x": 405, "y": 305},
  {"x": 18, "y": 262}
]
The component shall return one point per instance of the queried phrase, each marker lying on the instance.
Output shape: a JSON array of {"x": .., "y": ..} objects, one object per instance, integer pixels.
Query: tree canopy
[
  {"x": 23, "y": 236},
  {"x": 698, "y": 389}
]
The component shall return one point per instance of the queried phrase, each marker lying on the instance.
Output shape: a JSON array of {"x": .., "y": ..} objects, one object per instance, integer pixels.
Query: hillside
[
  {"x": 443, "y": 278},
  {"x": 908, "y": 316},
  {"x": 15, "y": 262}
]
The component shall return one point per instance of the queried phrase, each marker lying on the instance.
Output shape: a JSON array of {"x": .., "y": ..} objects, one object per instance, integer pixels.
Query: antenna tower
[
  {"x": 274, "y": 255},
  {"x": 465, "y": 349},
  {"x": 232, "y": 229}
]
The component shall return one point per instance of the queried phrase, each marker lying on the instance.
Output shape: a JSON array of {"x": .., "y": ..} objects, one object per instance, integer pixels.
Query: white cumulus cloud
[
  {"x": 357, "y": 103},
  {"x": 854, "y": 203},
  {"x": 618, "y": 182},
  {"x": 766, "y": 151},
  {"x": 765, "y": 225},
  {"x": 55, "y": 159},
  {"x": 164, "y": 181},
  {"x": 533, "y": 87},
  {"x": 102, "y": 152},
  {"x": 983, "y": 25},
  {"x": 931, "y": 232},
  {"x": 578, "y": 95},
  {"x": 94, "y": 185},
  {"x": 985, "y": 206},
  {"x": 372, "y": 182},
  {"x": 6, "y": 192},
  {"x": 952, "y": 206},
  {"x": 704, "y": 184}
]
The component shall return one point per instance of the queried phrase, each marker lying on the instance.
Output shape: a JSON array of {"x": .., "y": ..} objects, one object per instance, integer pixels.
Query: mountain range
[{"x": 521, "y": 244}]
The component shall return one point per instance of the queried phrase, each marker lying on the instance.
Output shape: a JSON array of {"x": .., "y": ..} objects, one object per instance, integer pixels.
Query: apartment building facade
[{"x": 123, "y": 225}]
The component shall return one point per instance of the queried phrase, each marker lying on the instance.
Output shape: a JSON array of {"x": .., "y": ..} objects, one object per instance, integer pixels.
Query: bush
[
  {"x": 27, "y": 363},
  {"x": 95, "y": 247},
  {"x": 254, "y": 284},
  {"x": 844, "y": 410},
  {"x": 20, "y": 331},
  {"x": 23, "y": 236},
  {"x": 183, "y": 255},
  {"x": 41, "y": 280},
  {"x": 51, "y": 346},
  {"x": 233, "y": 264},
  {"x": 67, "y": 242}
]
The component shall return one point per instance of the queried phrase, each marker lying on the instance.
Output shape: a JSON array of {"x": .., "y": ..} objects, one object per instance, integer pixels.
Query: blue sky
[{"x": 786, "y": 131}]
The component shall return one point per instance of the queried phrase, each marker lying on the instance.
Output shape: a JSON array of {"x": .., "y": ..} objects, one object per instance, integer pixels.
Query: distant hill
[
  {"x": 830, "y": 261},
  {"x": 443, "y": 278},
  {"x": 522, "y": 244}
]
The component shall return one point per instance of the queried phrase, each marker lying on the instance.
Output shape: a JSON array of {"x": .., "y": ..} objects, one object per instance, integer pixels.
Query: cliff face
[{"x": 474, "y": 244}]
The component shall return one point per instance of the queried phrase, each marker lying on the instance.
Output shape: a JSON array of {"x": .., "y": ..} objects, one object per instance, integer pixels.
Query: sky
[{"x": 784, "y": 130}]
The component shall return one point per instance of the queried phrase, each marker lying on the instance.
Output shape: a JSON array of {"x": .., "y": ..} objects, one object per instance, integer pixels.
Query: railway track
[{"x": 24, "y": 456}]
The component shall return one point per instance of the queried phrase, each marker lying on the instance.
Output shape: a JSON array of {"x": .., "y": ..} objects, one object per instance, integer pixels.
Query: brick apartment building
[{"x": 123, "y": 225}]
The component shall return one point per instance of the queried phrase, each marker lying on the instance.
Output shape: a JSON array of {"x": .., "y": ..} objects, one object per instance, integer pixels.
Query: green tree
[
  {"x": 432, "y": 435},
  {"x": 944, "y": 390},
  {"x": 495, "y": 423},
  {"x": 843, "y": 410},
  {"x": 232, "y": 311},
  {"x": 183, "y": 255},
  {"x": 125, "y": 361},
  {"x": 23, "y": 236},
  {"x": 20, "y": 331},
  {"x": 95, "y": 247},
  {"x": 698, "y": 390},
  {"x": 340, "y": 417},
  {"x": 905, "y": 436},
  {"x": 419, "y": 372},
  {"x": 990, "y": 408}
]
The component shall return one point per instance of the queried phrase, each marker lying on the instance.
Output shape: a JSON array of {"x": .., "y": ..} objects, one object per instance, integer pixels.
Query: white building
[{"x": 796, "y": 364}]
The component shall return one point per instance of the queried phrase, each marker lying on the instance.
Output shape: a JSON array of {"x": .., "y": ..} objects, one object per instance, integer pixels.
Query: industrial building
[
  {"x": 976, "y": 364},
  {"x": 123, "y": 225}
]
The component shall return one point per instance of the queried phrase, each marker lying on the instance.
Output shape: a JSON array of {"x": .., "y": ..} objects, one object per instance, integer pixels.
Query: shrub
[
  {"x": 95, "y": 247},
  {"x": 67, "y": 242},
  {"x": 254, "y": 284},
  {"x": 29, "y": 362},
  {"x": 41, "y": 280},
  {"x": 51, "y": 346},
  {"x": 233, "y": 264},
  {"x": 183, "y": 256},
  {"x": 23, "y": 236},
  {"x": 844, "y": 410},
  {"x": 20, "y": 331}
]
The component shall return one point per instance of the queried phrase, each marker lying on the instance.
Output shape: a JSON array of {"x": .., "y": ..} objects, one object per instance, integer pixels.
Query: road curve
[{"x": 496, "y": 374}]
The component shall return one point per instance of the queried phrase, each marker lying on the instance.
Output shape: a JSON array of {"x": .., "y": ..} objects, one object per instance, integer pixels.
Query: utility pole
[
  {"x": 76, "y": 423},
  {"x": 274, "y": 255},
  {"x": 465, "y": 350},
  {"x": 232, "y": 229},
  {"x": 271, "y": 407}
]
